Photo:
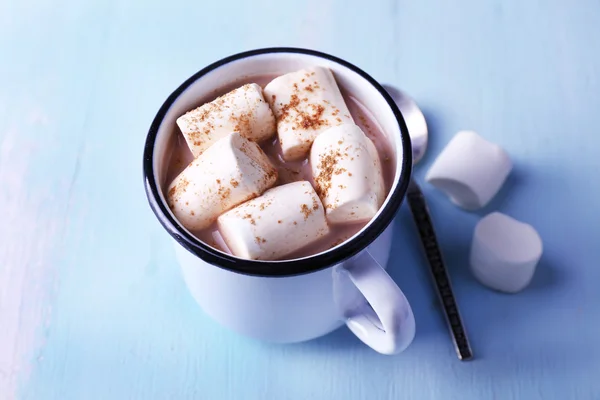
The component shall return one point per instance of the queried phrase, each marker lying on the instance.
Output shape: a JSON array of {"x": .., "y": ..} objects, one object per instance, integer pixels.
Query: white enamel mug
[{"x": 301, "y": 299}]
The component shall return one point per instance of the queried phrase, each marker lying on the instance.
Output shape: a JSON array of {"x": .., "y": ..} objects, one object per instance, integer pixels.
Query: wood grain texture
[{"x": 92, "y": 304}]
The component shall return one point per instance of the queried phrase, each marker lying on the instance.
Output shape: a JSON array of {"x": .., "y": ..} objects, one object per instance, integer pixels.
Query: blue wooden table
[{"x": 92, "y": 303}]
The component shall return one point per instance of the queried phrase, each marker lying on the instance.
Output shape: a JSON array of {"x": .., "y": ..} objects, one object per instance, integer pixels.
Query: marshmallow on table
[
  {"x": 242, "y": 110},
  {"x": 305, "y": 103},
  {"x": 284, "y": 219},
  {"x": 347, "y": 174},
  {"x": 470, "y": 170},
  {"x": 231, "y": 171},
  {"x": 504, "y": 252}
]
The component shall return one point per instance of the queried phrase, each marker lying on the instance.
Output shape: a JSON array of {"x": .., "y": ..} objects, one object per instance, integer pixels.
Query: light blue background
[{"x": 525, "y": 74}]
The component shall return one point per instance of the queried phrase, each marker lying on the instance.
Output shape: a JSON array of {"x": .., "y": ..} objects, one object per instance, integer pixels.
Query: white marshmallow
[
  {"x": 284, "y": 219},
  {"x": 242, "y": 110},
  {"x": 470, "y": 170},
  {"x": 305, "y": 103},
  {"x": 504, "y": 252},
  {"x": 347, "y": 174},
  {"x": 228, "y": 173}
]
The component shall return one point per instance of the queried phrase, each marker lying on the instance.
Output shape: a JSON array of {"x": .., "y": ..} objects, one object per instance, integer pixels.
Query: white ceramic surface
[{"x": 299, "y": 307}]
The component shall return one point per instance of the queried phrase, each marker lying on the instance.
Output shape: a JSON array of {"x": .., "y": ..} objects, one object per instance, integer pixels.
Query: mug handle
[{"x": 386, "y": 323}]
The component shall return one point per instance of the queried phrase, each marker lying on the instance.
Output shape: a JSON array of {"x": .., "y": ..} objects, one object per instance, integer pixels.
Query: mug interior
[{"x": 239, "y": 69}]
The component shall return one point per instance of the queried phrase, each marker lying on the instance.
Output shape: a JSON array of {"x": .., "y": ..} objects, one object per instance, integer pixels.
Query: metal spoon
[{"x": 417, "y": 129}]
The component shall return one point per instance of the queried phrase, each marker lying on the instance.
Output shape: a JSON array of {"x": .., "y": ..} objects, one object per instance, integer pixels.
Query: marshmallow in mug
[
  {"x": 231, "y": 171},
  {"x": 470, "y": 170},
  {"x": 242, "y": 110},
  {"x": 284, "y": 219},
  {"x": 347, "y": 174},
  {"x": 504, "y": 253},
  {"x": 305, "y": 103}
]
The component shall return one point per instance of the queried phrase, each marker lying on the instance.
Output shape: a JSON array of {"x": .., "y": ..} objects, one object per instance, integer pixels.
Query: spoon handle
[{"x": 420, "y": 212}]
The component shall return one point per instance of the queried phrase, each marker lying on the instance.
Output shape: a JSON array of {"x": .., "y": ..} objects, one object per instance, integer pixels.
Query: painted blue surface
[{"x": 525, "y": 74}]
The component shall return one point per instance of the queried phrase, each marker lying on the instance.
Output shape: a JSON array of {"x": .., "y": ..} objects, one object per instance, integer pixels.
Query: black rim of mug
[{"x": 285, "y": 267}]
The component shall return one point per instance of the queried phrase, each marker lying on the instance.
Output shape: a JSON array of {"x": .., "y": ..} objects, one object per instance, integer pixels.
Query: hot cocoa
[{"x": 333, "y": 149}]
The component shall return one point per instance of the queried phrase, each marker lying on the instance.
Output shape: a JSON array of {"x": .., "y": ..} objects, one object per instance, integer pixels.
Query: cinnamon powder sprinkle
[
  {"x": 306, "y": 211},
  {"x": 326, "y": 169},
  {"x": 315, "y": 204},
  {"x": 181, "y": 186},
  {"x": 242, "y": 123},
  {"x": 234, "y": 183},
  {"x": 249, "y": 216},
  {"x": 302, "y": 116},
  {"x": 313, "y": 121},
  {"x": 224, "y": 192},
  {"x": 264, "y": 205}
]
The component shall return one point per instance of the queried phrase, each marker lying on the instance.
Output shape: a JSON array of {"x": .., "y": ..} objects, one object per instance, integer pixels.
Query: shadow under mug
[{"x": 301, "y": 299}]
